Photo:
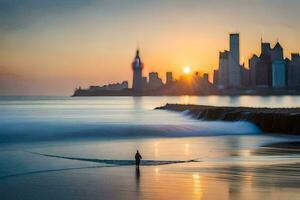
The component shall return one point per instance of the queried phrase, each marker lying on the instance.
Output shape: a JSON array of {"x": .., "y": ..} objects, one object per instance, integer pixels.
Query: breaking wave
[{"x": 30, "y": 132}]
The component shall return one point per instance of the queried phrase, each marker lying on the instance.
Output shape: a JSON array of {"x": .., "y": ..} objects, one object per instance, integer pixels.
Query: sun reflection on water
[
  {"x": 197, "y": 184},
  {"x": 156, "y": 153},
  {"x": 187, "y": 149}
]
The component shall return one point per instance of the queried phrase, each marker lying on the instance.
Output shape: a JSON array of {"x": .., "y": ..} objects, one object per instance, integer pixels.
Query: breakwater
[{"x": 272, "y": 120}]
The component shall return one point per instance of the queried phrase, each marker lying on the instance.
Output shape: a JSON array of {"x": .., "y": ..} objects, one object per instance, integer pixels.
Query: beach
[{"x": 65, "y": 148}]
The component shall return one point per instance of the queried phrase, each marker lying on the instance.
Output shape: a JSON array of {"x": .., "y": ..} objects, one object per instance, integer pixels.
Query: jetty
[{"x": 271, "y": 120}]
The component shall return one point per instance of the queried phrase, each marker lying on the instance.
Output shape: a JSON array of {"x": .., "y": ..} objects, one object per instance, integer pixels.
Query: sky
[{"x": 50, "y": 47}]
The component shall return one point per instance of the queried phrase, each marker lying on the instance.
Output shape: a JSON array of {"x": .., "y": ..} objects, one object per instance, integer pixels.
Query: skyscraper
[
  {"x": 277, "y": 52},
  {"x": 234, "y": 68},
  {"x": 216, "y": 78},
  {"x": 278, "y": 67},
  {"x": 245, "y": 76},
  {"x": 278, "y": 74},
  {"x": 234, "y": 46},
  {"x": 263, "y": 68},
  {"x": 137, "y": 66},
  {"x": 293, "y": 70},
  {"x": 169, "y": 78},
  {"x": 252, "y": 67},
  {"x": 223, "y": 70},
  {"x": 270, "y": 64}
]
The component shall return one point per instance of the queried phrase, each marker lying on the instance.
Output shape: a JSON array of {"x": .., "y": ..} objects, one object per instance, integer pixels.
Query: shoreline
[
  {"x": 180, "y": 92},
  {"x": 270, "y": 120}
]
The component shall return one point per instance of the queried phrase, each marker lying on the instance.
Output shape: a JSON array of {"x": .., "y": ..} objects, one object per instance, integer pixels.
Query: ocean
[{"x": 83, "y": 148}]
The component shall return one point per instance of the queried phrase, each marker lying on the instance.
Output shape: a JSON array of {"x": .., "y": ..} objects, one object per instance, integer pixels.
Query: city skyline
[
  {"x": 88, "y": 43},
  {"x": 269, "y": 72}
]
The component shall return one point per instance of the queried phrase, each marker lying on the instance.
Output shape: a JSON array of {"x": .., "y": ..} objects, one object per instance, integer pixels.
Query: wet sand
[
  {"x": 234, "y": 167},
  {"x": 164, "y": 182}
]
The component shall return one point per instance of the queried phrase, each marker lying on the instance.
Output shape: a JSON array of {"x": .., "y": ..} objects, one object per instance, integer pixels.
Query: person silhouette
[{"x": 138, "y": 158}]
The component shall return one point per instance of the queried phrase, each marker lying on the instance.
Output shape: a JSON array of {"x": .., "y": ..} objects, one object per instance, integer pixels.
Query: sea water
[{"x": 83, "y": 148}]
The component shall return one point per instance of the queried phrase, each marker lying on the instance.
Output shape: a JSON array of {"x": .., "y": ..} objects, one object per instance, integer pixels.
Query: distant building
[
  {"x": 234, "y": 68},
  {"x": 196, "y": 79},
  {"x": 293, "y": 70},
  {"x": 234, "y": 46},
  {"x": 169, "y": 78},
  {"x": 261, "y": 68},
  {"x": 113, "y": 86},
  {"x": 262, "y": 75},
  {"x": 154, "y": 81},
  {"x": 144, "y": 82},
  {"x": 216, "y": 78},
  {"x": 205, "y": 77},
  {"x": 278, "y": 74},
  {"x": 278, "y": 67},
  {"x": 252, "y": 67},
  {"x": 264, "y": 66},
  {"x": 200, "y": 83},
  {"x": 245, "y": 77},
  {"x": 137, "y": 67},
  {"x": 295, "y": 57},
  {"x": 277, "y": 52},
  {"x": 223, "y": 70},
  {"x": 266, "y": 49},
  {"x": 229, "y": 72}
]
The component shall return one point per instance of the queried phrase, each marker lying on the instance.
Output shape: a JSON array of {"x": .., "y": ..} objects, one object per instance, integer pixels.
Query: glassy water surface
[{"x": 58, "y": 147}]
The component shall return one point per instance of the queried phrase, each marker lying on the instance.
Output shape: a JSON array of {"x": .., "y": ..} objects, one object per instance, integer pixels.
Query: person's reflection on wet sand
[
  {"x": 138, "y": 158},
  {"x": 137, "y": 179},
  {"x": 137, "y": 174}
]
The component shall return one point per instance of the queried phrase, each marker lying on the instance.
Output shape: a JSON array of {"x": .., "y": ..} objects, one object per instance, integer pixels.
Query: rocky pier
[{"x": 271, "y": 120}]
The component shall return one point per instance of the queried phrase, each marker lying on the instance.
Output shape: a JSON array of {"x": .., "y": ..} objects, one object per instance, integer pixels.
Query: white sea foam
[{"x": 38, "y": 119}]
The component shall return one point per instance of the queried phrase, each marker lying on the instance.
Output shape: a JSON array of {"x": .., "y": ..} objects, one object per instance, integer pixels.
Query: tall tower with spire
[{"x": 137, "y": 67}]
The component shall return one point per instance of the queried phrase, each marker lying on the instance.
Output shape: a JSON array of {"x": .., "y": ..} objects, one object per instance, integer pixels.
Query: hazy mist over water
[
  {"x": 55, "y": 118},
  {"x": 42, "y": 118}
]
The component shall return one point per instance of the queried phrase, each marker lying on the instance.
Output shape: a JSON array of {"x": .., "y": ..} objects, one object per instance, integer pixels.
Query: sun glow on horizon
[
  {"x": 72, "y": 44},
  {"x": 187, "y": 70}
]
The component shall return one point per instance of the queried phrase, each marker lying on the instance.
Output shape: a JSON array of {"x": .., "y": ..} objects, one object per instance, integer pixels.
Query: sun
[{"x": 186, "y": 70}]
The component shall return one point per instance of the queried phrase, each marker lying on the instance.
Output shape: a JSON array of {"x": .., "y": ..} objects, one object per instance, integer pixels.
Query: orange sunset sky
[{"x": 50, "y": 47}]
